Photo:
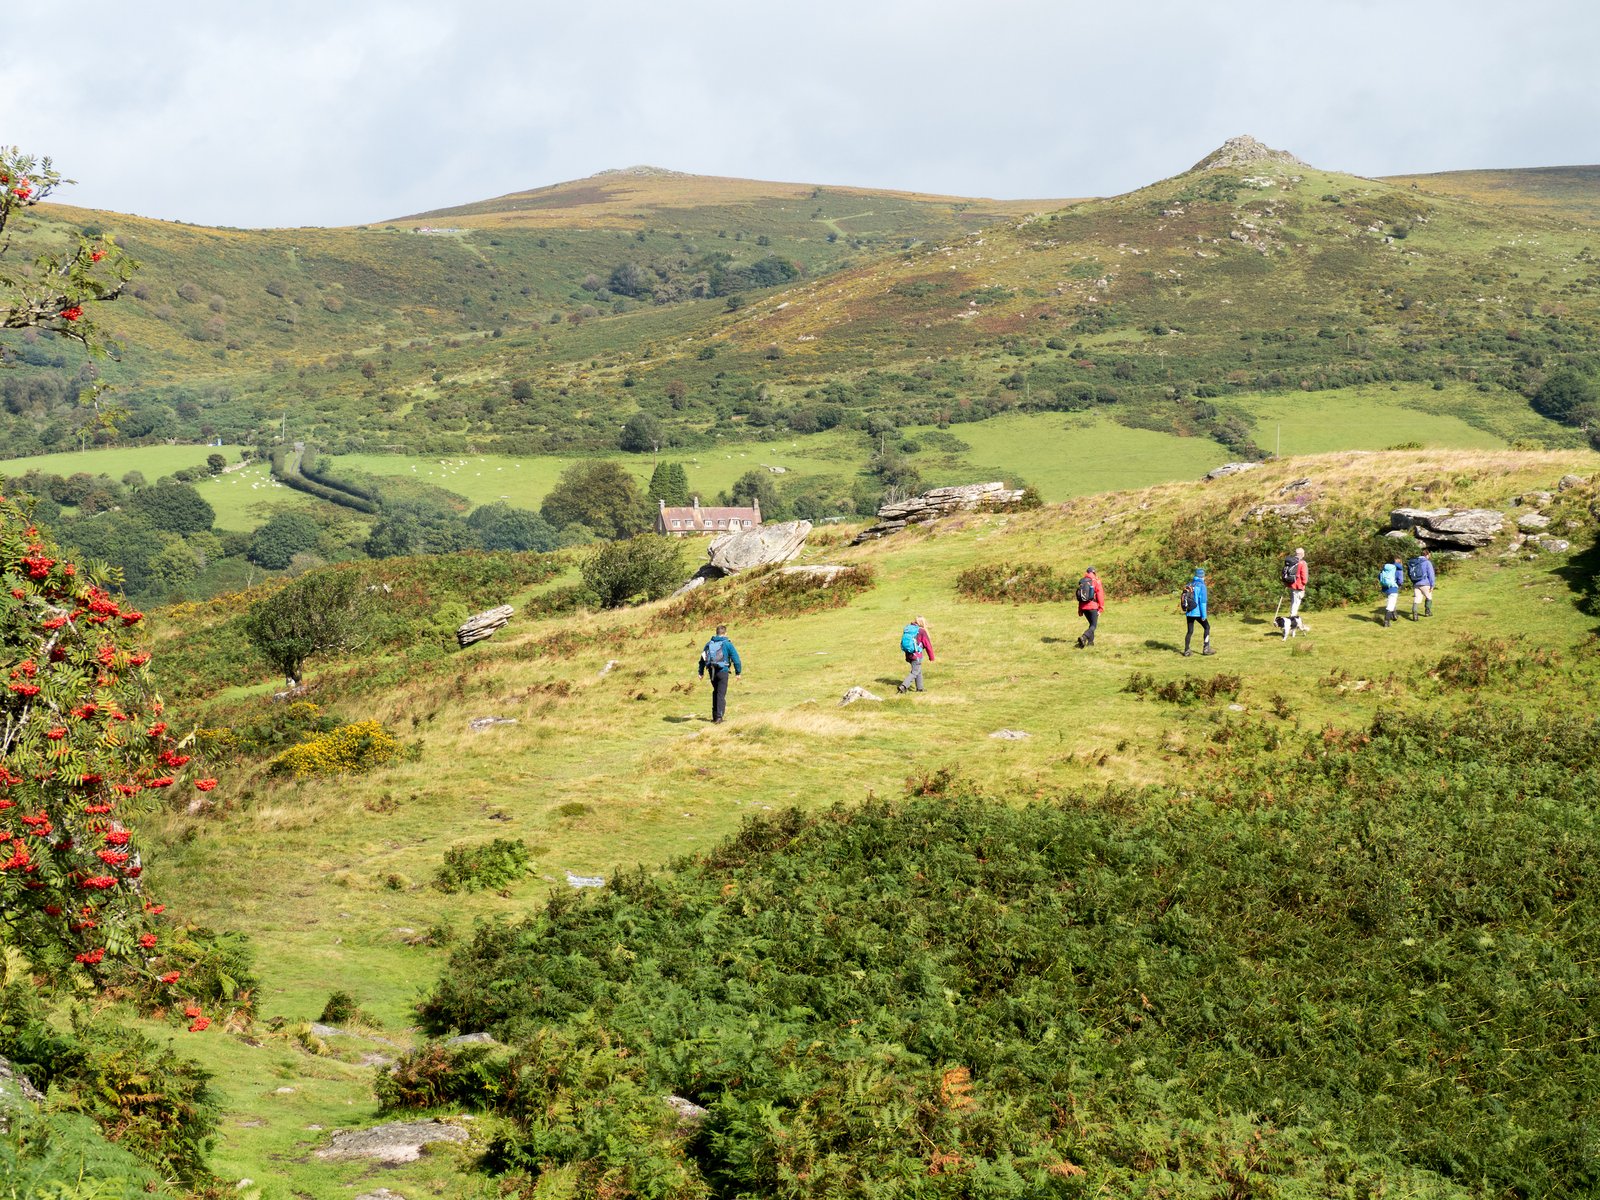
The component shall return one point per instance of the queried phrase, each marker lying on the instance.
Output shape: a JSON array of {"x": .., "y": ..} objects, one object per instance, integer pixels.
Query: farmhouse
[{"x": 693, "y": 519}]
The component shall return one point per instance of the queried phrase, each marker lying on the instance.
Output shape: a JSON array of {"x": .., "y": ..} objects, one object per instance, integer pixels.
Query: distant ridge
[{"x": 1245, "y": 151}]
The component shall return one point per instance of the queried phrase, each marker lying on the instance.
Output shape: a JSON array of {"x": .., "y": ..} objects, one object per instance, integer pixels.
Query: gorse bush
[
  {"x": 1361, "y": 932},
  {"x": 766, "y": 593},
  {"x": 348, "y": 750},
  {"x": 486, "y": 865}
]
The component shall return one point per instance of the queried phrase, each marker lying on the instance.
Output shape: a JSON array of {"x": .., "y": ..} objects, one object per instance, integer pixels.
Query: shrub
[
  {"x": 433, "y": 1075},
  {"x": 1016, "y": 583},
  {"x": 146, "y": 1098},
  {"x": 764, "y": 594},
  {"x": 646, "y": 567},
  {"x": 348, "y": 750},
  {"x": 1477, "y": 661},
  {"x": 488, "y": 865}
]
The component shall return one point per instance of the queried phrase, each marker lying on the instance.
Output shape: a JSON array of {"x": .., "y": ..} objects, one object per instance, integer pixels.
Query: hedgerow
[{"x": 1375, "y": 933}]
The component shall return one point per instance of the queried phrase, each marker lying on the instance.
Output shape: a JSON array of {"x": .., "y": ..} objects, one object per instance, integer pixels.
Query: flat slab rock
[
  {"x": 396, "y": 1142},
  {"x": 858, "y": 693},
  {"x": 940, "y": 502}
]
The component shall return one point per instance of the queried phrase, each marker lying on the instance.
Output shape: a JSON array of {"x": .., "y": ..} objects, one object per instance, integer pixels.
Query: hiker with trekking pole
[{"x": 1192, "y": 600}]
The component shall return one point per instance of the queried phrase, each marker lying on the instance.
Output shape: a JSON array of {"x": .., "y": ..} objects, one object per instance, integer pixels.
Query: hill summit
[{"x": 1245, "y": 151}]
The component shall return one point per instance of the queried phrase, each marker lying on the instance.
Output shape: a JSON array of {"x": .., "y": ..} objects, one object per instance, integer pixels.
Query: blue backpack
[
  {"x": 910, "y": 639},
  {"x": 715, "y": 655},
  {"x": 1389, "y": 577}
]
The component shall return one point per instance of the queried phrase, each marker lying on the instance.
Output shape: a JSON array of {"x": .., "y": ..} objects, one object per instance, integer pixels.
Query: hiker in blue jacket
[
  {"x": 1420, "y": 569},
  {"x": 717, "y": 657},
  {"x": 1193, "y": 599},
  {"x": 1390, "y": 580}
]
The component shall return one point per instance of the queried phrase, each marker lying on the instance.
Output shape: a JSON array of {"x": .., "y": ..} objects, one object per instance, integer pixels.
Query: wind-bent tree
[{"x": 319, "y": 613}]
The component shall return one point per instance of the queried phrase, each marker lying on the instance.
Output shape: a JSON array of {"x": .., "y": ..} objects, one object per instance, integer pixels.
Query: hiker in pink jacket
[{"x": 1091, "y": 603}]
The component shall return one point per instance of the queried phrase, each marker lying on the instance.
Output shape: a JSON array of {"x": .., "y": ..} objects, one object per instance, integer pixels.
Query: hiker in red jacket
[{"x": 1091, "y": 603}]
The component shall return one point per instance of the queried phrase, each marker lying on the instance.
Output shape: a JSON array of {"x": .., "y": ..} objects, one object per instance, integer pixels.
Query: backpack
[
  {"x": 1388, "y": 577},
  {"x": 1085, "y": 590},
  {"x": 1186, "y": 598},
  {"x": 910, "y": 639},
  {"x": 715, "y": 655},
  {"x": 1291, "y": 568},
  {"x": 1414, "y": 567}
]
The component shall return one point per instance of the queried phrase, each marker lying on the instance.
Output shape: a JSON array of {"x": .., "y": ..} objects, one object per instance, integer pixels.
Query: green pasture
[
  {"x": 1071, "y": 454},
  {"x": 117, "y": 461},
  {"x": 1377, "y": 416}
]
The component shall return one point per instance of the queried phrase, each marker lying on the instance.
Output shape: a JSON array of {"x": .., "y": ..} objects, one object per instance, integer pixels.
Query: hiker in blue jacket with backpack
[
  {"x": 1193, "y": 602},
  {"x": 1423, "y": 579},
  {"x": 914, "y": 644},
  {"x": 717, "y": 658},
  {"x": 1390, "y": 580}
]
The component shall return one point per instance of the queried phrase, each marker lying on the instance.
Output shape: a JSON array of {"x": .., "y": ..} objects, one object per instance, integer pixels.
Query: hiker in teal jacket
[
  {"x": 1390, "y": 580},
  {"x": 717, "y": 657},
  {"x": 1196, "y": 612}
]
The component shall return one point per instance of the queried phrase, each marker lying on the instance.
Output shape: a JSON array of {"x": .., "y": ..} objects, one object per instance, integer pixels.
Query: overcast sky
[{"x": 335, "y": 112}]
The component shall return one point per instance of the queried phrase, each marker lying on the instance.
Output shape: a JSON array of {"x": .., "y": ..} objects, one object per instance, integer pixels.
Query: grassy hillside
[
  {"x": 1569, "y": 193},
  {"x": 611, "y": 762},
  {"x": 728, "y": 309}
]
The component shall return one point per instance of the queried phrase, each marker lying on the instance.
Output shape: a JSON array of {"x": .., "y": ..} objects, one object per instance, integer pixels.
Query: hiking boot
[
  {"x": 1428, "y": 609},
  {"x": 1187, "y": 652},
  {"x": 1207, "y": 649},
  {"x": 1080, "y": 641}
]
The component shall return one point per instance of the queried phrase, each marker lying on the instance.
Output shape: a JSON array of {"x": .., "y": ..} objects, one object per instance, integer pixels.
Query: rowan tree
[{"x": 60, "y": 290}]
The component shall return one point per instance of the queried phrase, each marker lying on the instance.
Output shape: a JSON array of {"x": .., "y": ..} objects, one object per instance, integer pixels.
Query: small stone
[
  {"x": 1533, "y": 522},
  {"x": 472, "y": 1039},
  {"x": 396, "y": 1142},
  {"x": 583, "y": 881},
  {"x": 858, "y": 693},
  {"x": 284, "y": 1091},
  {"x": 1570, "y": 481},
  {"x": 1010, "y": 735},
  {"x": 478, "y": 724}
]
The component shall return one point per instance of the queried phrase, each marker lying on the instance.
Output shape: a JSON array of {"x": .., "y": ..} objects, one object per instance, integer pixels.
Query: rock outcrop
[
  {"x": 940, "y": 502},
  {"x": 1244, "y": 151},
  {"x": 858, "y": 693},
  {"x": 1232, "y": 468},
  {"x": 1464, "y": 529},
  {"x": 397, "y": 1142},
  {"x": 484, "y": 625},
  {"x": 759, "y": 547}
]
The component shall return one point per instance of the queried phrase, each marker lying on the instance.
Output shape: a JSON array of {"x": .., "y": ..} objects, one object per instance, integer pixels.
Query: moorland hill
[{"x": 730, "y": 309}]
